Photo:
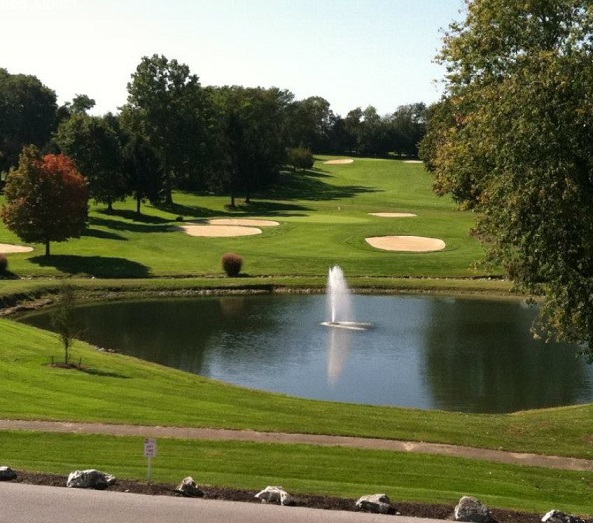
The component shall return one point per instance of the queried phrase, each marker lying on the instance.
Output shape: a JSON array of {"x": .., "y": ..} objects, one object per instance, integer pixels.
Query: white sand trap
[
  {"x": 393, "y": 214},
  {"x": 341, "y": 161},
  {"x": 244, "y": 222},
  {"x": 412, "y": 161},
  {"x": 6, "y": 248},
  {"x": 406, "y": 243},
  {"x": 220, "y": 231}
]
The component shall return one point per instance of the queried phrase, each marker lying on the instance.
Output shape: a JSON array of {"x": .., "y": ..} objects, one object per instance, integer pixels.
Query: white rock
[
  {"x": 90, "y": 478},
  {"x": 471, "y": 509},
  {"x": 376, "y": 503},
  {"x": 275, "y": 495},
  {"x": 6, "y": 474},
  {"x": 189, "y": 488}
]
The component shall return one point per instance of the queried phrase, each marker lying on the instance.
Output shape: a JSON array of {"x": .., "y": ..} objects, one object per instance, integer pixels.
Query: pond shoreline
[{"x": 41, "y": 293}]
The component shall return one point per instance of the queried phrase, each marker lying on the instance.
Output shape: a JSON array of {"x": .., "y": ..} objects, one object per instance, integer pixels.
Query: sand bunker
[
  {"x": 7, "y": 248},
  {"x": 393, "y": 214},
  {"x": 341, "y": 161},
  {"x": 220, "y": 231},
  {"x": 243, "y": 222},
  {"x": 412, "y": 161},
  {"x": 406, "y": 243}
]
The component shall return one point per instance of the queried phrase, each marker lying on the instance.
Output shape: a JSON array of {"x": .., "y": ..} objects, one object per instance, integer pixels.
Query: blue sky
[{"x": 351, "y": 52}]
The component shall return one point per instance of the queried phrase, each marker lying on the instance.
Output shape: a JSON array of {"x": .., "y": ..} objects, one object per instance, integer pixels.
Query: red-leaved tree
[{"x": 46, "y": 199}]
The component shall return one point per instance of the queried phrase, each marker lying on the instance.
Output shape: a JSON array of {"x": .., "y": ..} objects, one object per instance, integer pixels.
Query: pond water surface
[{"x": 426, "y": 352}]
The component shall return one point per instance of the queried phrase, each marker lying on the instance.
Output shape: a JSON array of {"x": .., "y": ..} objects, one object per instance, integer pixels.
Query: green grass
[
  {"x": 120, "y": 389},
  {"x": 305, "y": 469},
  {"x": 323, "y": 217}
]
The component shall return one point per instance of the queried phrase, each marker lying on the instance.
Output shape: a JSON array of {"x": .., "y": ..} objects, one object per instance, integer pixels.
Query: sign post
[{"x": 149, "y": 452}]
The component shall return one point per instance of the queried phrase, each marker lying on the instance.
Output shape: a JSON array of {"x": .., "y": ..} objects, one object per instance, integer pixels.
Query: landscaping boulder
[
  {"x": 275, "y": 495},
  {"x": 471, "y": 509},
  {"x": 376, "y": 503},
  {"x": 189, "y": 488},
  {"x": 555, "y": 516},
  {"x": 90, "y": 478},
  {"x": 6, "y": 474}
]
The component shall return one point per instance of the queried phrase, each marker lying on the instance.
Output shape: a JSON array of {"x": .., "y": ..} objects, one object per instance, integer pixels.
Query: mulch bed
[{"x": 419, "y": 510}]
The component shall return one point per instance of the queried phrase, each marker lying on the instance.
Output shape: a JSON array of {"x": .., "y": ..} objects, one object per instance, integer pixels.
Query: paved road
[{"x": 21, "y": 503}]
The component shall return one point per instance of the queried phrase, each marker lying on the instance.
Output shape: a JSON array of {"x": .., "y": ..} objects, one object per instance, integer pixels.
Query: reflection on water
[
  {"x": 445, "y": 353},
  {"x": 338, "y": 350}
]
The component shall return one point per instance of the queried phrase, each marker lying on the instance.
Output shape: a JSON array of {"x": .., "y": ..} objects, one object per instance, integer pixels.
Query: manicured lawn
[
  {"x": 323, "y": 217},
  {"x": 308, "y": 469}
]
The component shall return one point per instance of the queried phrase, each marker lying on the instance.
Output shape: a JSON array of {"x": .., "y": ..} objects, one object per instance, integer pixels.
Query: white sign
[{"x": 150, "y": 448}]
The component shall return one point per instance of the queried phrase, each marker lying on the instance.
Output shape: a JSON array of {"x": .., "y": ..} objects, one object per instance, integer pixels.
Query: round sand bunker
[
  {"x": 406, "y": 243},
  {"x": 220, "y": 231},
  {"x": 341, "y": 161},
  {"x": 8, "y": 248},
  {"x": 249, "y": 222},
  {"x": 393, "y": 214}
]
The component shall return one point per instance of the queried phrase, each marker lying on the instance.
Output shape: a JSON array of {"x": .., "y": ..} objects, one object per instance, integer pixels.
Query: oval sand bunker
[
  {"x": 244, "y": 222},
  {"x": 393, "y": 214},
  {"x": 220, "y": 231},
  {"x": 7, "y": 248},
  {"x": 342, "y": 161},
  {"x": 406, "y": 243}
]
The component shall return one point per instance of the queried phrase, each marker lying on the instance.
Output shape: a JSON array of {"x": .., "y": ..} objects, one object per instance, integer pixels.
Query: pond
[{"x": 451, "y": 354}]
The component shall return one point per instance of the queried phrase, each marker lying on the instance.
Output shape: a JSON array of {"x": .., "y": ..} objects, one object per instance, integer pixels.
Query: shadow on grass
[
  {"x": 309, "y": 186},
  {"x": 99, "y": 266},
  {"x": 133, "y": 216},
  {"x": 88, "y": 370},
  {"x": 102, "y": 235},
  {"x": 118, "y": 225}
]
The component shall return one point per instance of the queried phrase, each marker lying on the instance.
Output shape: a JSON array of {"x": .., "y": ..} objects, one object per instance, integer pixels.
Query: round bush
[
  {"x": 232, "y": 263},
  {"x": 3, "y": 263}
]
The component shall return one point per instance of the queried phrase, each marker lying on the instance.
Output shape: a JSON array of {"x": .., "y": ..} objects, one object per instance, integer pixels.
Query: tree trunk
[
  {"x": 138, "y": 202},
  {"x": 47, "y": 248}
]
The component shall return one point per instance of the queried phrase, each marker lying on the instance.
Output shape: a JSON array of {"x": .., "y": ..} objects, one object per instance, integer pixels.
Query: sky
[{"x": 353, "y": 53}]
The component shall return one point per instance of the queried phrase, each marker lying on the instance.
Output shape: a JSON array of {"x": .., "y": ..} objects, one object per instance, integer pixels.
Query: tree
[
  {"x": 143, "y": 170},
  {"x": 309, "y": 123},
  {"x": 64, "y": 320},
  {"x": 167, "y": 106},
  {"x": 46, "y": 199},
  {"x": 251, "y": 136},
  {"x": 96, "y": 150},
  {"x": 512, "y": 139},
  {"x": 300, "y": 158},
  {"x": 406, "y": 128},
  {"x": 27, "y": 115}
]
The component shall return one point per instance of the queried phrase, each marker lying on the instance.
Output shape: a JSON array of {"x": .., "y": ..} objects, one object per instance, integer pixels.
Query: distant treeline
[{"x": 175, "y": 133}]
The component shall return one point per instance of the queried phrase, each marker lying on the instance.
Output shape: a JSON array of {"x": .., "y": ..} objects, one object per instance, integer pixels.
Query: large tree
[
  {"x": 166, "y": 105},
  {"x": 512, "y": 139},
  {"x": 28, "y": 112},
  {"x": 96, "y": 149},
  {"x": 251, "y": 136},
  {"x": 46, "y": 199}
]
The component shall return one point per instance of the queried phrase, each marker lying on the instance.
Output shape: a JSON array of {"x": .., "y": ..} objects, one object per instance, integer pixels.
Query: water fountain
[{"x": 340, "y": 302}]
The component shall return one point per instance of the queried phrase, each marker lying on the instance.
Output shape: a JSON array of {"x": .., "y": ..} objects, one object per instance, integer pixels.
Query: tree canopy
[
  {"x": 512, "y": 140},
  {"x": 27, "y": 115},
  {"x": 46, "y": 199}
]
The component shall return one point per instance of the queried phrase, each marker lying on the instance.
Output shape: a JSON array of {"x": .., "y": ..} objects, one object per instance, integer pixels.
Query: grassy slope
[
  {"x": 120, "y": 389},
  {"x": 324, "y": 221}
]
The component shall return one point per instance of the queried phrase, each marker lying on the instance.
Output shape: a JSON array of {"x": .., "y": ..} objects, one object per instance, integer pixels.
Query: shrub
[
  {"x": 3, "y": 263},
  {"x": 300, "y": 158},
  {"x": 232, "y": 263}
]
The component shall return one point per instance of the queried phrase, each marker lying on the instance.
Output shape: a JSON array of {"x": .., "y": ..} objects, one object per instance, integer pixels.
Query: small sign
[{"x": 150, "y": 448}]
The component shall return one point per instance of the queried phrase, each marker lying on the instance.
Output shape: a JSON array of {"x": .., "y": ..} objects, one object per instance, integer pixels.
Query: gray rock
[
  {"x": 275, "y": 495},
  {"x": 189, "y": 488},
  {"x": 555, "y": 516},
  {"x": 376, "y": 503},
  {"x": 6, "y": 474},
  {"x": 90, "y": 478},
  {"x": 471, "y": 509}
]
